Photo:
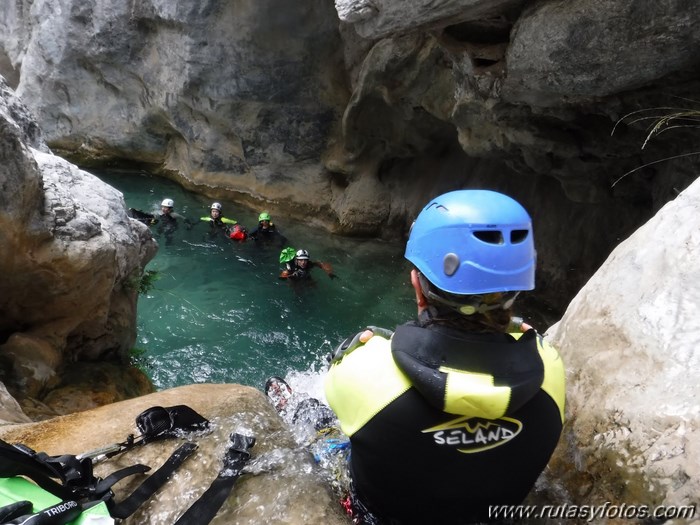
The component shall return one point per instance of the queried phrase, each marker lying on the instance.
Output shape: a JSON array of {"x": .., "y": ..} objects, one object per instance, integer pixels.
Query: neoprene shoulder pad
[{"x": 352, "y": 343}]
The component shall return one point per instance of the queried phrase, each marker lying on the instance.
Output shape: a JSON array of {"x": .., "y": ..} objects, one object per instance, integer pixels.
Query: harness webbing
[
  {"x": 58, "y": 514},
  {"x": 103, "y": 486},
  {"x": 19, "y": 460},
  {"x": 128, "y": 506},
  {"x": 206, "y": 507},
  {"x": 71, "y": 477},
  {"x": 14, "y": 510}
]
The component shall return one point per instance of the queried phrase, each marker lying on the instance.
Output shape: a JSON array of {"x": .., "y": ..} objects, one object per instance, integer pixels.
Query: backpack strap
[
  {"x": 19, "y": 460},
  {"x": 71, "y": 478},
  {"x": 128, "y": 506},
  {"x": 205, "y": 508},
  {"x": 14, "y": 510},
  {"x": 77, "y": 481},
  {"x": 58, "y": 514},
  {"x": 102, "y": 487}
]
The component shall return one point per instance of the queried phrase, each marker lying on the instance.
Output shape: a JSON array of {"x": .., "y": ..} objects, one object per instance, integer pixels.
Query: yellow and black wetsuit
[
  {"x": 218, "y": 222},
  {"x": 443, "y": 423}
]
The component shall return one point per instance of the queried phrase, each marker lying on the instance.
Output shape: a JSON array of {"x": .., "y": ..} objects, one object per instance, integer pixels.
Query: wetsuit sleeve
[
  {"x": 554, "y": 383},
  {"x": 326, "y": 267},
  {"x": 286, "y": 271},
  {"x": 363, "y": 382}
]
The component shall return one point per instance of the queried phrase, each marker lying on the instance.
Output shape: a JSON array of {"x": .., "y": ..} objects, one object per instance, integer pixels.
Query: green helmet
[{"x": 264, "y": 216}]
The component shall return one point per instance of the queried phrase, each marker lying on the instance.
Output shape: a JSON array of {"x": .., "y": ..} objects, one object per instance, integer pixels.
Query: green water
[{"x": 218, "y": 312}]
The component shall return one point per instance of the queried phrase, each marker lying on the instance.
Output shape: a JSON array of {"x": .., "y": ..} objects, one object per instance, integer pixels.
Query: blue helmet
[{"x": 471, "y": 242}]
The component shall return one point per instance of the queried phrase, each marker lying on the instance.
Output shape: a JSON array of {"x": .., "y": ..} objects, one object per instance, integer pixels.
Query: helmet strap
[
  {"x": 428, "y": 314},
  {"x": 470, "y": 305}
]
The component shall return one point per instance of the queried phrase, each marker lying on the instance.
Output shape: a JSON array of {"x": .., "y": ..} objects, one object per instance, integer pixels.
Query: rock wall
[
  {"x": 516, "y": 96},
  {"x": 524, "y": 98},
  {"x": 225, "y": 96},
  {"x": 352, "y": 118},
  {"x": 629, "y": 340},
  {"x": 70, "y": 266}
]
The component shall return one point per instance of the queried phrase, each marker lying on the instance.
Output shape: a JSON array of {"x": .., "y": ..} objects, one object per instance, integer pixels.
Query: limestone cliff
[
  {"x": 237, "y": 97},
  {"x": 70, "y": 265},
  {"x": 629, "y": 340},
  {"x": 356, "y": 115}
]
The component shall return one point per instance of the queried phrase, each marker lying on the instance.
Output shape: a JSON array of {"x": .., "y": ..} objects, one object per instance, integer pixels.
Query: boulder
[
  {"x": 630, "y": 342},
  {"x": 10, "y": 411},
  {"x": 379, "y": 18},
  {"x": 282, "y": 483},
  {"x": 560, "y": 53},
  {"x": 72, "y": 260}
]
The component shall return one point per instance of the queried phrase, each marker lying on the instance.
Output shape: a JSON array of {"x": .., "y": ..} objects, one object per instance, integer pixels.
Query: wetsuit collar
[{"x": 454, "y": 369}]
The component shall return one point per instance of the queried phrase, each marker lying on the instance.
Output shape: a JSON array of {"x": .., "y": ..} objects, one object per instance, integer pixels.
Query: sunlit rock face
[
  {"x": 282, "y": 483},
  {"x": 630, "y": 342},
  {"x": 71, "y": 259}
]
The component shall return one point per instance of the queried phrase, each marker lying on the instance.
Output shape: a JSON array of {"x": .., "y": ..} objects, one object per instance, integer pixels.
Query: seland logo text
[{"x": 470, "y": 435}]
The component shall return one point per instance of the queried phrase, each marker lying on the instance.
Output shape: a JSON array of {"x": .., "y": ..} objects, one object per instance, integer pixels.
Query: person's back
[
  {"x": 451, "y": 414},
  {"x": 413, "y": 449}
]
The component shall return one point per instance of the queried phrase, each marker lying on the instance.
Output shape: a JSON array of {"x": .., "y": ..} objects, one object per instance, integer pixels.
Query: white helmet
[
  {"x": 216, "y": 206},
  {"x": 302, "y": 254},
  {"x": 168, "y": 203}
]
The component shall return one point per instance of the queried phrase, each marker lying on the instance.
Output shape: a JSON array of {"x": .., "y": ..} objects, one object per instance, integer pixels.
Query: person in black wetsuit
[
  {"x": 300, "y": 266},
  {"x": 168, "y": 221},
  {"x": 452, "y": 414},
  {"x": 220, "y": 224},
  {"x": 267, "y": 232}
]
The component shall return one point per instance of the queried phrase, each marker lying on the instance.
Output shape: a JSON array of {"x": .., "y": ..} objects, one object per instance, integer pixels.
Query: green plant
[
  {"x": 662, "y": 119},
  {"x": 147, "y": 281},
  {"x": 138, "y": 359},
  {"x": 136, "y": 353}
]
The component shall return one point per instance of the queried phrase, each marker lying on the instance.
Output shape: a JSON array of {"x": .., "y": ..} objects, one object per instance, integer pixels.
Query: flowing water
[{"x": 218, "y": 313}]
